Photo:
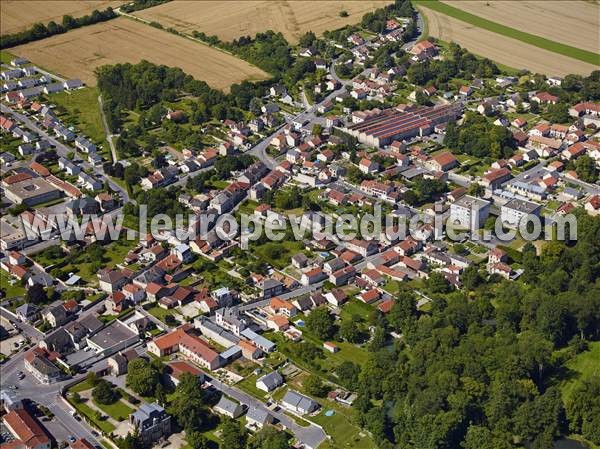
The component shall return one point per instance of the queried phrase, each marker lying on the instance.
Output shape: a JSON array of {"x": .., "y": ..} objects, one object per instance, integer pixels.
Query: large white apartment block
[
  {"x": 469, "y": 212},
  {"x": 512, "y": 212}
]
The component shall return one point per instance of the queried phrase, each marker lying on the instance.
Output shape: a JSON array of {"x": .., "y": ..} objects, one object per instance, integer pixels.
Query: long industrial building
[{"x": 394, "y": 124}]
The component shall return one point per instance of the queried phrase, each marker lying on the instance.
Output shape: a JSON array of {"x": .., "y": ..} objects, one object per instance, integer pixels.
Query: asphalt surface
[
  {"x": 63, "y": 150},
  {"x": 312, "y": 435}
]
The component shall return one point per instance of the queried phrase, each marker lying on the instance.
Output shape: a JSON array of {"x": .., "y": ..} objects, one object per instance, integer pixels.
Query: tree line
[{"x": 40, "y": 31}]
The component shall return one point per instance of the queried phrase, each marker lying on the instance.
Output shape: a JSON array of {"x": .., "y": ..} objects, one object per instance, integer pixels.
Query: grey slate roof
[
  {"x": 257, "y": 414},
  {"x": 299, "y": 401},
  {"x": 227, "y": 405},
  {"x": 271, "y": 380}
]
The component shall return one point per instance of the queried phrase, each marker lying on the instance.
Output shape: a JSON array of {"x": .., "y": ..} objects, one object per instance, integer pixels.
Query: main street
[{"x": 47, "y": 395}]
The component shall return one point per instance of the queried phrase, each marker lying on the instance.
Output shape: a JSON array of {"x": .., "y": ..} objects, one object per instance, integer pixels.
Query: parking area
[
  {"x": 11, "y": 344},
  {"x": 5, "y": 435}
]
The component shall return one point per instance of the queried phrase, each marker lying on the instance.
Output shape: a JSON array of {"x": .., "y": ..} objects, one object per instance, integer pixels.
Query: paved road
[
  {"x": 47, "y": 395},
  {"x": 311, "y": 435},
  {"x": 63, "y": 150},
  {"x": 29, "y": 331}
]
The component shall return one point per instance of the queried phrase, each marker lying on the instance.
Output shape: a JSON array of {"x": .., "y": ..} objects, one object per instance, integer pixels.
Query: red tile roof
[{"x": 26, "y": 428}]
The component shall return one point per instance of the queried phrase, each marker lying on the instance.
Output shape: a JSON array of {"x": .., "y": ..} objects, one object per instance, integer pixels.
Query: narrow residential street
[{"x": 312, "y": 435}]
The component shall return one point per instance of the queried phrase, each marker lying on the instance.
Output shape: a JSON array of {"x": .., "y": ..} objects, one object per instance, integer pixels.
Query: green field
[
  {"x": 581, "y": 366},
  {"x": 546, "y": 44},
  {"x": 83, "y": 111}
]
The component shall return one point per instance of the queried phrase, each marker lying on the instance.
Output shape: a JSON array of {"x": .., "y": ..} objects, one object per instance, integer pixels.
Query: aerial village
[{"x": 263, "y": 331}]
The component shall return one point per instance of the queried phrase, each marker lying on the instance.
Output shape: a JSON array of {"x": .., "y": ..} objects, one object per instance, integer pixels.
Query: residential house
[
  {"x": 152, "y": 423},
  {"x": 28, "y": 433},
  {"x": 269, "y": 382},
  {"x": 55, "y": 316},
  {"x": 28, "y": 312},
  {"x": 298, "y": 403},
  {"x": 228, "y": 408}
]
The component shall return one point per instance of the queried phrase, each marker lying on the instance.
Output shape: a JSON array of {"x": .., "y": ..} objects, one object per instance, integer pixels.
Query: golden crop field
[
  {"x": 77, "y": 53},
  {"x": 572, "y": 22},
  {"x": 507, "y": 51},
  {"x": 231, "y": 19},
  {"x": 18, "y": 15}
]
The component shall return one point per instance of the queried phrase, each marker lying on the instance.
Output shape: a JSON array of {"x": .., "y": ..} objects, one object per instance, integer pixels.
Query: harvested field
[
  {"x": 77, "y": 53},
  {"x": 18, "y": 15},
  {"x": 571, "y": 22},
  {"x": 504, "y": 50},
  {"x": 231, "y": 19}
]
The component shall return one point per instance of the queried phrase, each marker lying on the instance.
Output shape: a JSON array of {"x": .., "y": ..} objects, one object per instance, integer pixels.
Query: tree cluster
[{"x": 480, "y": 138}]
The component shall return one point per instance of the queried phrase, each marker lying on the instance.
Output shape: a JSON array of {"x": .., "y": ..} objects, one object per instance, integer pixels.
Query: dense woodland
[
  {"x": 482, "y": 369},
  {"x": 477, "y": 136},
  {"x": 40, "y": 31}
]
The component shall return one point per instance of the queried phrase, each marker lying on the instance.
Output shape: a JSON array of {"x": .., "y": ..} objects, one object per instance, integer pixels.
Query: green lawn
[
  {"x": 6, "y": 57},
  {"x": 278, "y": 254},
  {"x": 90, "y": 414},
  {"x": 83, "y": 111},
  {"x": 118, "y": 411},
  {"x": 541, "y": 42},
  {"x": 81, "y": 386},
  {"x": 356, "y": 307},
  {"x": 160, "y": 313},
  {"x": 342, "y": 431},
  {"x": 11, "y": 286},
  {"x": 582, "y": 366},
  {"x": 249, "y": 386}
]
